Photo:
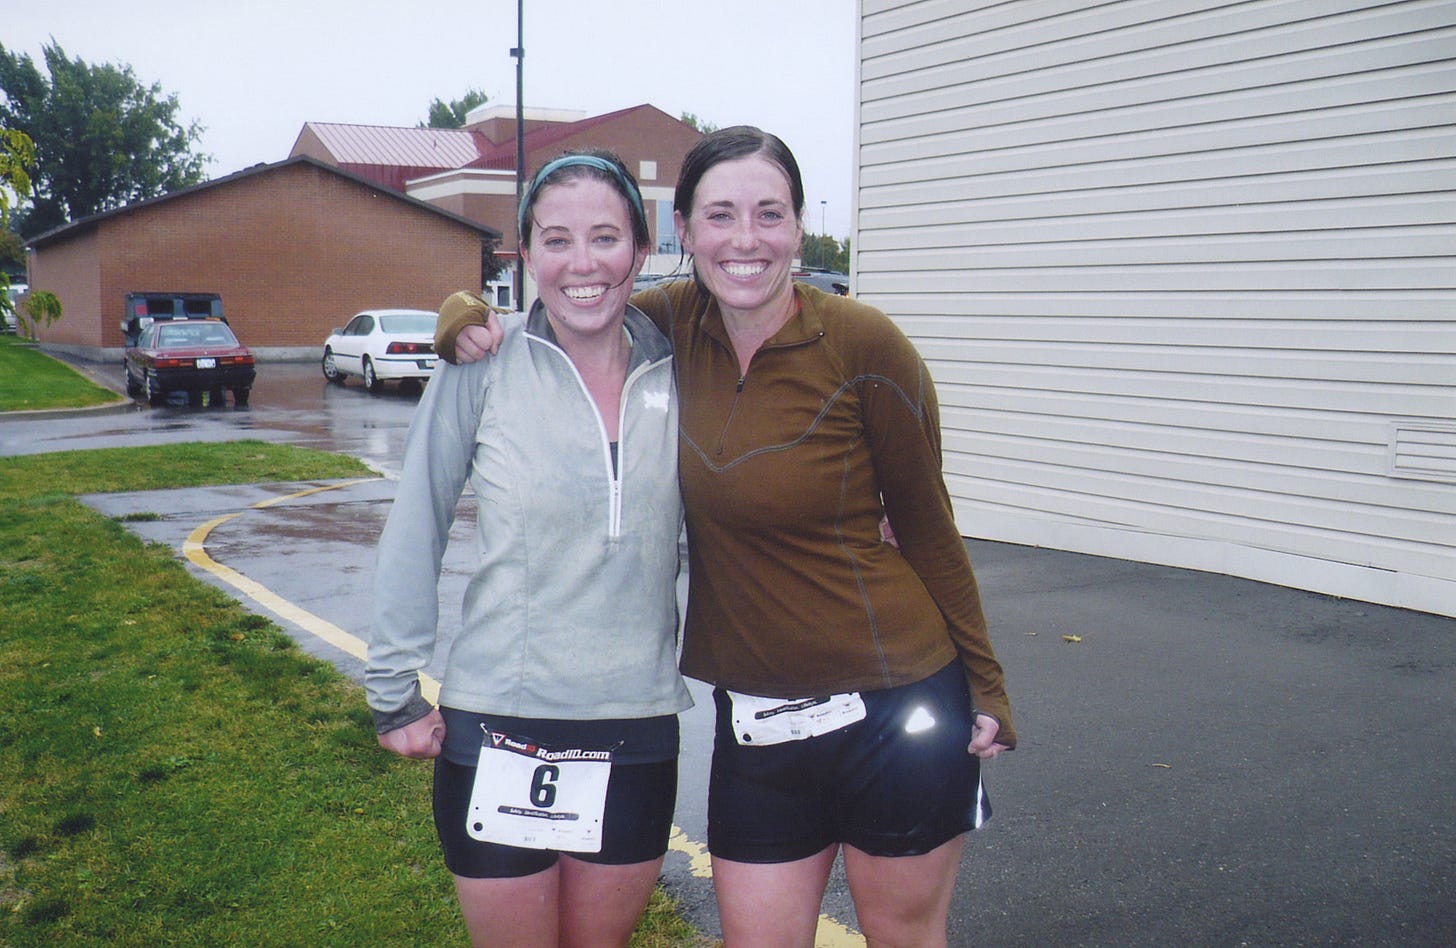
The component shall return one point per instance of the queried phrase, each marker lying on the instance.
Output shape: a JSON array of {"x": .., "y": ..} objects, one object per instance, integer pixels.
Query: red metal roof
[
  {"x": 421, "y": 148},
  {"x": 503, "y": 156}
]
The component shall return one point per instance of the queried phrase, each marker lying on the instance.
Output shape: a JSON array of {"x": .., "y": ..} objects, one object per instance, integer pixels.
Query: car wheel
[
  {"x": 155, "y": 395},
  {"x": 331, "y": 371},
  {"x": 240, "y": 396},
  {"x": 132, "y": 387},
  {"x": 371, "y": 378}
]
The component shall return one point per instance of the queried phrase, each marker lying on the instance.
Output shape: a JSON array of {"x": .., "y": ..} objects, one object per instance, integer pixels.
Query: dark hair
[
  {"x": 595, "y": 163},
  {"x": 727, "y": 144}
]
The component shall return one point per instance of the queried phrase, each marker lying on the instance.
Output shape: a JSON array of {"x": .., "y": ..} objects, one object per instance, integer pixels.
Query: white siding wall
[{"x": 1185, "y": 274}]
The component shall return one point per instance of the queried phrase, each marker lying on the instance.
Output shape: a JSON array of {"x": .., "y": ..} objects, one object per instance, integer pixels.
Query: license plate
[{"x": 207, "y": 363}]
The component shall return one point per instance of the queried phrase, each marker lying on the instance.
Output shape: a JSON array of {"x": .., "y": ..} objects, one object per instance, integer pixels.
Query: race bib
[
  {"x": 759, "y": 721},
  {"x": 538, "y": 797}
]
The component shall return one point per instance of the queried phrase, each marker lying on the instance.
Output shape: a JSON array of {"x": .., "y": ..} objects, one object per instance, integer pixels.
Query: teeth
[
  {"x": 744, "y": 269},
  {"x": 583, "y": 292}
]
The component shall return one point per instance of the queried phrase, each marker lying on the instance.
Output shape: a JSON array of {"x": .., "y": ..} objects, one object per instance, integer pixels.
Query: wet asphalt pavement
[{"x": 1215, "y": 762}]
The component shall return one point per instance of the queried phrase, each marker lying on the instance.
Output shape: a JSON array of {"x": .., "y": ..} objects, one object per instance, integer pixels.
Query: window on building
[{"x": 666, "y": 232}]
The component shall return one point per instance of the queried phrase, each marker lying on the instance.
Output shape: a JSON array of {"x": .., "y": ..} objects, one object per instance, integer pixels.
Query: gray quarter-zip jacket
[{"x": 571, "y": 611}]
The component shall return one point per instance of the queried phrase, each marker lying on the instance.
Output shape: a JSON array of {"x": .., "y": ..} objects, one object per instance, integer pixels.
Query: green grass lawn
[
  {"x": 173, "y": 770},
  {"x": 31, "y": 380}
]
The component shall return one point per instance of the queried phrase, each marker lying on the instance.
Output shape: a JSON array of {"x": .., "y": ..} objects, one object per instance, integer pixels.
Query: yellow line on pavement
[
  {"x": 830, "y": 934},
  {"x": 345, "y": 642}
]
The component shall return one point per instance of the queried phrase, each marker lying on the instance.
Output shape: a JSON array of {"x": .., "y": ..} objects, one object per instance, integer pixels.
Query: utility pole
[
  {"x": 519, "y": 53},
  {"x": 823, "y": 253}
]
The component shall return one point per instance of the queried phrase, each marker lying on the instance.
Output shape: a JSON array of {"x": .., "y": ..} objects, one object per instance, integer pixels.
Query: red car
[{"x": 195, "y": 357}]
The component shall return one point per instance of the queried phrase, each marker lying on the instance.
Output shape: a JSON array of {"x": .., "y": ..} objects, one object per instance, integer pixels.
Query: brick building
[
  {"x": 358, "y": 216},
  {"x": 471, "y": 171},
  {"x": 294, "y": 248}
]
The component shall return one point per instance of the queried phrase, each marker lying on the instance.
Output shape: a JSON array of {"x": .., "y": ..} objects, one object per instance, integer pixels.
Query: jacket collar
[
  {"x": 804, "y": 325},
  {"x": 648, "y": 342}
]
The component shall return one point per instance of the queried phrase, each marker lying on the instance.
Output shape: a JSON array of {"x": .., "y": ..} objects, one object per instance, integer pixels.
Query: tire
[
  {"x": 331, "y": 371},
  {"x": 240, "y": 396},
  {"x": 371, "y": 378},
  {"x": 155, "y": 395},
  {"x": 133, "y": 388}
]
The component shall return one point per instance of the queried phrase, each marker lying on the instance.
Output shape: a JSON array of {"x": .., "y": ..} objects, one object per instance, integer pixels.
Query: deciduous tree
[
  {"x": 702, "y": 125},
  {"x": 102, "y": 138},
  {"x": 452, "y": 115},
  {"x": 17, "y": 157}
]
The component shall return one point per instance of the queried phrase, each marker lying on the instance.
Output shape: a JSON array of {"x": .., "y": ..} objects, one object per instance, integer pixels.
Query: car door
[
  {"x": 139, "y": 357},
  {"x": 349, "y": 353}
]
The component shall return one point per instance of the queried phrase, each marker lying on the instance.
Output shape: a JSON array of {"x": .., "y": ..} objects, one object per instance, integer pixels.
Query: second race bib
[{"x": 759, "y": 721}]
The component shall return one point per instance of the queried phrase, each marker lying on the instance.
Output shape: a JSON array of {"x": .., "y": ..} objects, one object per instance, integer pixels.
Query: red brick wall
[
  {"x": 293, "y": 250},
  {"x": 71, "y": 271}
]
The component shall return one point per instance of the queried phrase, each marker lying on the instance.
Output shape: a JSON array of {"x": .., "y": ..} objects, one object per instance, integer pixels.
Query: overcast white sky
[{"x": 253, "y": 71}]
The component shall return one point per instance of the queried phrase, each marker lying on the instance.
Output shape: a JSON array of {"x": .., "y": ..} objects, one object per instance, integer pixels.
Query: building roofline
[{"x": 75, "y": 227}]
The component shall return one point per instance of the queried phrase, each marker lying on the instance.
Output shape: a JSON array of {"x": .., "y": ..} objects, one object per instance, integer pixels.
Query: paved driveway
[{"x": 1215, "y": 762}]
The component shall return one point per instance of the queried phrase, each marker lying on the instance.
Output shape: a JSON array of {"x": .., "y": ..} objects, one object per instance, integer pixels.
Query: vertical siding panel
[{"x": 1185, "y": 273}]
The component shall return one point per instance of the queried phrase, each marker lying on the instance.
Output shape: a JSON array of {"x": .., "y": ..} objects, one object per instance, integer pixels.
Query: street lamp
[
  {"x": 518, "y": 53},
  {"x": 823, "y": 256}
]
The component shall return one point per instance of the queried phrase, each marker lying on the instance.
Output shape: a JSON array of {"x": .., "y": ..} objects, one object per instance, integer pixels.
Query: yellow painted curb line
[
  {"x": 346, "y": 642},
  {"x": 830, "y": 934}
]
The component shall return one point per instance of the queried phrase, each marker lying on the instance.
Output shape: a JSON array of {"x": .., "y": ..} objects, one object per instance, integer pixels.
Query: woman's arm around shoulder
[{"x": 468, "y": 328}]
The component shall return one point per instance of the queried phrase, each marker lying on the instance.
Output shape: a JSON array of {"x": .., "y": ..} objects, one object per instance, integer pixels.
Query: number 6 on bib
[{"x": 538, "y": 798}]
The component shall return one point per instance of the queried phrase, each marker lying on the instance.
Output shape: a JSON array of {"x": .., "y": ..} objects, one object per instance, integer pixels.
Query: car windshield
[
  {"x": 207, "y": 334},
  {"x": 408, "y": 322}
]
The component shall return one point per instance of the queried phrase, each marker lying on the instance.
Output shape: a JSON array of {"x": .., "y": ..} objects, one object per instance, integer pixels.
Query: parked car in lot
[
  {"x": 198, "y": 358},
  {"x": 9, "y": 321},
  {"x": 830, "y": 281},
  {"x": 380, "y": 345}
]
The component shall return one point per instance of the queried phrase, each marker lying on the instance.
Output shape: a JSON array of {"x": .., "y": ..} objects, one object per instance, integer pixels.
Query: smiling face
[
  {"x": 582, "y": 256},
  {"x": 743, "y": 234}
]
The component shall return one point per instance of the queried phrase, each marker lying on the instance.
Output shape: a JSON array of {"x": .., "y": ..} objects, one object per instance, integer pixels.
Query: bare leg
[
  {"x": 773, "y": 905},
  {"x": 601, "y": 905},
  {"x": 904, "y": 900},
  {"x": 511, "y": 913}
]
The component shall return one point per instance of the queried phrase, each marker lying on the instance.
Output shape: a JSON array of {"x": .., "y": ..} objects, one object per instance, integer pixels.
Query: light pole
[
  {"x": 822, "y": 206},
  {"x": 519, "y": 52}
]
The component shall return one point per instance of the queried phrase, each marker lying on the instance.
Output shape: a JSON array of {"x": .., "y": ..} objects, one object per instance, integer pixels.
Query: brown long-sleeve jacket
[{"x": 786, "y": 471}]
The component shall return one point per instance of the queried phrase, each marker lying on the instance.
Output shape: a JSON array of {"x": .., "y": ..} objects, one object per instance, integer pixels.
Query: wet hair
[
  {"x": 728, "y": 144},
  {"x": 595, "y": 163}
]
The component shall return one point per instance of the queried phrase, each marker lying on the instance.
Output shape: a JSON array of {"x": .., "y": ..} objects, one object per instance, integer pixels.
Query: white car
[{"x": 381, "y": 345}]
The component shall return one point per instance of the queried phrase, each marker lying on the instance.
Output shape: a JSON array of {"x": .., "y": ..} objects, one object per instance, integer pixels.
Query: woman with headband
[
  {"x": 855, "y": 684},
  {"x": 556, "y": 739}
]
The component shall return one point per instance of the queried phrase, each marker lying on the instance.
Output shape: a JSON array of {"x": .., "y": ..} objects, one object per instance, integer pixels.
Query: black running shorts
[
  {"x": 897, "y": 783},
  {"x": 635, "y": 825}
]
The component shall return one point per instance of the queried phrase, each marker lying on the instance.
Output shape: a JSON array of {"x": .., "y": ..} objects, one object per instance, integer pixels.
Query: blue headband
[{"x": 588, "y": 161}]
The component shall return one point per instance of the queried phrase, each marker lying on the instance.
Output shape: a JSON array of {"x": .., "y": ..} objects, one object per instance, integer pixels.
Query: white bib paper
[
  {"x": 759, "y": 721},
  {"x": 537, "y": 797}
]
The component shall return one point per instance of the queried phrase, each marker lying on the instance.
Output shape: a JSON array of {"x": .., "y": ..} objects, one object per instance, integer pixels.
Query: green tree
[
  {"x": 12, "y": 254},
  {"x": 824, "y": 252},
  {"x": 102, "y": 138},
  {"x": 17, "y": 157},
  {"x": 452, "y": 115},
  {"x": 702, "y": 125}
]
